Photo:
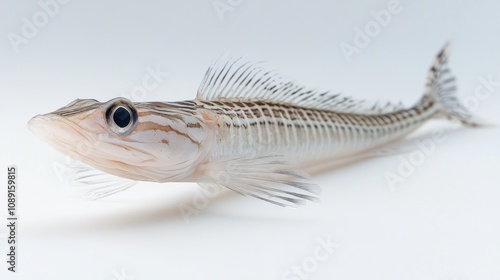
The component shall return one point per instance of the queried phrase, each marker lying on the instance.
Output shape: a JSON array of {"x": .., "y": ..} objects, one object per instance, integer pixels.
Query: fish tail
[{"x": 441, "y": 88}]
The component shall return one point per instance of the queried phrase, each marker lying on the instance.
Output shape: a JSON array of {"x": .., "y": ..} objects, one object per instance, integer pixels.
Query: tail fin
[{"x": 441, "y": 87}]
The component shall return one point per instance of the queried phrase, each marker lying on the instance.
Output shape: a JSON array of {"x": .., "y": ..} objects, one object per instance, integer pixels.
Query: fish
[{"x": 249, "y": 129}]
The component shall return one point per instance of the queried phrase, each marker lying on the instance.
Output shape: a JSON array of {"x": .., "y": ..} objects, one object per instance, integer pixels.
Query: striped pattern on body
[
  {"x": 258, "y": 127},
  {"x": 246, "y": 130}
]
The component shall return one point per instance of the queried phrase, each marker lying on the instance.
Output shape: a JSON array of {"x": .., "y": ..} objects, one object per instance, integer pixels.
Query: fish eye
[{"x": 121, "y": 116}]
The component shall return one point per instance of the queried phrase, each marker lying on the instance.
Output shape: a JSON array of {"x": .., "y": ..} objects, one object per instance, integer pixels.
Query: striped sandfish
[{"x": 248, "y": 129}]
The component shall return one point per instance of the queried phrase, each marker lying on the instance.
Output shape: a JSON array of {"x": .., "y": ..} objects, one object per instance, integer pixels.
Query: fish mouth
[
  {"x": 92, "y": 147},
  {"x": 39, "y": 125},
  {"x": 57, "y": 131}
]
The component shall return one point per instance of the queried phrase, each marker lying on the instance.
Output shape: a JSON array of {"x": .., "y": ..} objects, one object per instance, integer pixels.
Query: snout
[
  {"x": 39, "y": 124},
  {"x": 55, "y": 130}
]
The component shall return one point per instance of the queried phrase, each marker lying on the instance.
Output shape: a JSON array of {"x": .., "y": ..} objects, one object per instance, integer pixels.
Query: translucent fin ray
[
  {"x": 240, "y": 79},
  {"x": 269, "y": 178},
  {"x": 441, "y": 87},
  {"x": 95, "y": 184}
]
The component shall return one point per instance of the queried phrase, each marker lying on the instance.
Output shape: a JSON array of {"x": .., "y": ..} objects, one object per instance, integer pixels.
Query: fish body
[{"x": 247, "y": 130}]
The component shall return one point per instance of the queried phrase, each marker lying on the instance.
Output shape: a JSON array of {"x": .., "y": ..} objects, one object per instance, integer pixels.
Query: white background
[{"x": 441, "y": 223}]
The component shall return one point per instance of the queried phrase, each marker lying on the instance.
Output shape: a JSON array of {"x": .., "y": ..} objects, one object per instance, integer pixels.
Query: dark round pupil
[{"x": 121, "y": 117}]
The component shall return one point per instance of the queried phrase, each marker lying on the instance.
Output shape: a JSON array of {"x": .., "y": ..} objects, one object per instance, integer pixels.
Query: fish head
[{"x": 152, "y": 141}]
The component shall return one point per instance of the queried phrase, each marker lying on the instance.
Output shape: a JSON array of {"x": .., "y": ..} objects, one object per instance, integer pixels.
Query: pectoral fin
[
  {"x": 94, "y": 184},
  {"x": 269, "y": 178}
]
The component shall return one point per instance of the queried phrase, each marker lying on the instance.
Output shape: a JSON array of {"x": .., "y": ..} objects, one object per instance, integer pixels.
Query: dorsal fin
[{"x": 240, "y": 79}]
